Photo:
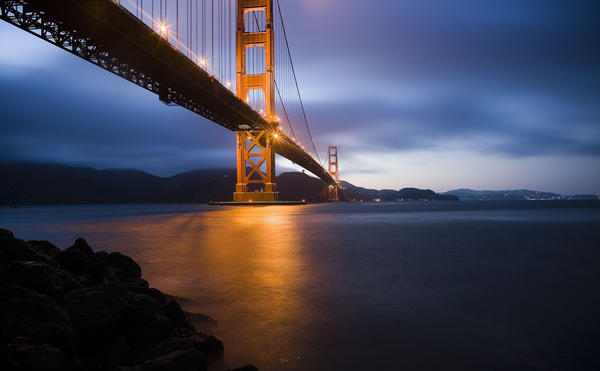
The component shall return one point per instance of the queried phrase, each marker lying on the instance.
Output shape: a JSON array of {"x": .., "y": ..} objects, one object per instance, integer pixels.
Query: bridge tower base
[
  {"x": 334, "y": 193},
  {"x": 332, "y": 160},
  {"x": 255, "y": 165}
]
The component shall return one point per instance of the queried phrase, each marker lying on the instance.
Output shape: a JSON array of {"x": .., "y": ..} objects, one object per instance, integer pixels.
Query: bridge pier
[
  {"x": 332, "y": 160},
  {"x": 255, "y": 165}
]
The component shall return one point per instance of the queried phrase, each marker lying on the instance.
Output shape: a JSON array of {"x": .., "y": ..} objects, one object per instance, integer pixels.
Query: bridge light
[
  {"x": 163, "y": 28},
  {"x": 275, "y": 135}
]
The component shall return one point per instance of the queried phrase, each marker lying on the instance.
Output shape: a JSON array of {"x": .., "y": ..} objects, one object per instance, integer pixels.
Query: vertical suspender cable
[
  {"x": 212, "y": 34},
  {"x": 196, "y": 26},
  {"x": 296, "y": 80}
]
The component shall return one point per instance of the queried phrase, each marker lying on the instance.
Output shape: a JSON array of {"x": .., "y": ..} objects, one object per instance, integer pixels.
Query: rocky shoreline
[{"x": 76, "y": 309}]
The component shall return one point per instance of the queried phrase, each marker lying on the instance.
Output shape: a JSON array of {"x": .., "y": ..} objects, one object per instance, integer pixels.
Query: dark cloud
[
  {"x": 101, "y": 120},
  {"x": 507, "y": 78}
]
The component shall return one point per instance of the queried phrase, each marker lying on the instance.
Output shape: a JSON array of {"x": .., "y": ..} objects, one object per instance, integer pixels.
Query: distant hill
[
  {"x": 512, "y": 195},
  {"x": 27, "y": 184},
  {"x": 30, "y": 184},
  {"x": 354, "y": 193}
]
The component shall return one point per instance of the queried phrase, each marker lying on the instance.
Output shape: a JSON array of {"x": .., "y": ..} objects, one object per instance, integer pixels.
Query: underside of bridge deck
[{"x": 107, "y": 35}]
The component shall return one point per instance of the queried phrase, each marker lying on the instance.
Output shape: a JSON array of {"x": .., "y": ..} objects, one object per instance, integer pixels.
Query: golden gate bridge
[{"x": 226, "y": 60}]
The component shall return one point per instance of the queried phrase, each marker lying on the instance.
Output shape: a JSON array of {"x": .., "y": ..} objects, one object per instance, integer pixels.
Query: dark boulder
[
  {"x": 136, "y": 282},
  {"x": 174, "y": 312},
  {"x": 124, "y": 266},
  {"x": 45, "y": 247},
  {"x": 4, "y": 364},
  {"x": 95, "y": 311},
  {"x": 28, "y": 313},
  {"x": 5, "y": 233},
  {"x": 211, "y": 346},
  {"x": 102, "y": 256},
  {"x": 173, "y": 344},
  {"x": 144, "y": 320},
  {"x": 34, "y": 275},
  {"x": 12, "y": 249},
  {"x": 80, "y": 310},
  {"x": 158, "y": 296},
  {"x": 178, "y": 360},
  {"x": 80, "y": 259},
  {"x": 28, "y": 354},
  {"x": 245, "y": 368}
]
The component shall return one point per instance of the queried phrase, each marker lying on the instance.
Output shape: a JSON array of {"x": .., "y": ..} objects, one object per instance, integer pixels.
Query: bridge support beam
[
  {"x": 255, "y": 154},
  {"x": 255, "y": 165},
  {"x": 332, "y": 160}
]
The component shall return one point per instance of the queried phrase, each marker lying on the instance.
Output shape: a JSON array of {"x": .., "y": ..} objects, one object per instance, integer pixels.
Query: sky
[{"x": 439, "y": 94}]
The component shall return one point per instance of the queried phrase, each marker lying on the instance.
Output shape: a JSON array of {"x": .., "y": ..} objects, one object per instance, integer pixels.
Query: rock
[
  {"x": 124, "y": 266},
  {"x": 28, "y": 313},
  {"x": 67, "y": 281},
  {"x": 5, "y": 233},
  {"x": 27, "y": 354},
  {"x": 4, "y": 364},
  {"x": 170, "y": 345},
  {"x": 45, "y": 247},
  {"x": 102, "y": 256},
  {"x": 95, "y": 311},
  {"x": 117, "y": 353},
  {"x": 174, "y": 312},
  {"x": 76, "y": 309},
  {"x": 211, "y": 346},
  {"x": 179, "y": 360},
  {"x": 199, "y": 318},
  {"x": 136, "y": 282},
  {"x": 245, "y": 368},
  {"x": 145, "y": 320},
  {"x": 106, "y": 355},
  {"x": 80, "y": 259},
  {"x": 158, "y": 296},
  {"x": 111, "y": 276},
  {"x": 34, "y": 275},
  {"x": 12, "y": 249}
]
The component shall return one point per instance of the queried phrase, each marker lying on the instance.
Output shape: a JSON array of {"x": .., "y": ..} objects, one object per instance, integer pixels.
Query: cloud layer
[{"x": 400, "y": 86}]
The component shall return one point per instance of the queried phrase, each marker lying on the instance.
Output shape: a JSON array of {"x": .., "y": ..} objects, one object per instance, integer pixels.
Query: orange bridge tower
[
  {"x": 254, "y": 147},
  {"x": 332, "y": 154}
]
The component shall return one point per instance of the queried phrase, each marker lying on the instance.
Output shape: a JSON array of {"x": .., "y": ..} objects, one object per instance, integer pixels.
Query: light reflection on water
[
  {"x": 220, "y": 260},
  {"x": 388, "y": 286}
]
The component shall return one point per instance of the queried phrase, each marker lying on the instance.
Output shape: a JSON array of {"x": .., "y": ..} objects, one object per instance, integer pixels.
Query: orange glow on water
[{"x": 241, "y": 265}]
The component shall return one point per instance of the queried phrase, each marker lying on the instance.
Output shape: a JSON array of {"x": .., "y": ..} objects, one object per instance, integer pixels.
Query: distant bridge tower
[
  {"x": 332, "y": 154},
  {"x": 254, "y": 147}
]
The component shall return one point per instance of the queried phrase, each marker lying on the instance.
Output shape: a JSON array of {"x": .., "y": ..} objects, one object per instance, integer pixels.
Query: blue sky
[{"x": 490, "y": 94}]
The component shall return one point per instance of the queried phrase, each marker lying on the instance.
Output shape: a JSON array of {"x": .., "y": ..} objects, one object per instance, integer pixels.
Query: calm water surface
[{"x": 410, "y": 286}]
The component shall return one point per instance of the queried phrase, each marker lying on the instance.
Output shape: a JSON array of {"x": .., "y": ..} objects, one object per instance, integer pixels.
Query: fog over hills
[{"x": 29, "y": 184}]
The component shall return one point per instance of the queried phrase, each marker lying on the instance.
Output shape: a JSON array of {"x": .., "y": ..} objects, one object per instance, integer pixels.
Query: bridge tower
[
  {"x": 332, "y": 154},
  {"x": 254, "y": 147}
]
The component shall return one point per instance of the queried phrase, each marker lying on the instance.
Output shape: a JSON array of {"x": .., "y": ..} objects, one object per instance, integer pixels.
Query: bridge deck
[{"x": 107, "y": 35}]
